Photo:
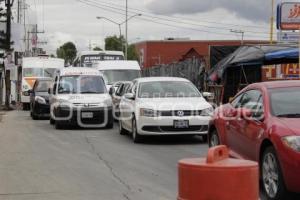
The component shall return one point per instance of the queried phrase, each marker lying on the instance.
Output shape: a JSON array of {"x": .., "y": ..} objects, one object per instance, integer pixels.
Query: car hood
[
  {"x": 86, "y": 98},
  {"x": 293, "y": 124},
  {"x": 173, "y": 103}
]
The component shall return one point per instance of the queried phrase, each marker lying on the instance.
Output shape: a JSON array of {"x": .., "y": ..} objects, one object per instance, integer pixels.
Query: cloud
[{"x": 254, "y": 10}]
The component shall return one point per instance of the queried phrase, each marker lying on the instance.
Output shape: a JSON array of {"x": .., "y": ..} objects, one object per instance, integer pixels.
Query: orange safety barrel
[{"x": 218, "y": 177}]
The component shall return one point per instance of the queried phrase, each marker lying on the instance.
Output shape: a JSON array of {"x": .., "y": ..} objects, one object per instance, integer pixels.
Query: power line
[
  {"x": 186, "y": 19},
  {"x": 117, "y": 11},
  {"x": 174, "y": 21}
]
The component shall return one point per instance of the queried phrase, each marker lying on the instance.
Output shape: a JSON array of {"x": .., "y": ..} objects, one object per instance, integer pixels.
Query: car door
[
  {"x": 237, "y": 127},
  {"x": 127, "y": 108},
  {"x": 32, "y": 95},
  {"x": 253, "y": 130}
]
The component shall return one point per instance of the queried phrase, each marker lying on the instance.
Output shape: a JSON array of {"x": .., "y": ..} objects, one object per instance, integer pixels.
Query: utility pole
[
  {"x": 126, "y": 31},
  {"x": 8, "y": 5},
  {"x": 272, "y": 23},
  {"x": 19, "y": 13},
  {"x": 239, "y": 32}
]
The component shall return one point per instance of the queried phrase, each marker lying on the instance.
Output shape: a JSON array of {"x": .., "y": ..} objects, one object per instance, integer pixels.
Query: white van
[
  {"x": 34, "y": 68},
  {"x": 89, "y": 58},
  {"x": 116, "y": 71},
  {"x": 79, "y": 97}
]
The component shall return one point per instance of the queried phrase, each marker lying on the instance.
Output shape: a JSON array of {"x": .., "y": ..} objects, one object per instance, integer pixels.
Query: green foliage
[
  {"x": 67, "y": 52},
  {"x": 132, "y": 54},
  {"x": 114, "y": 43},
  {"x": 97, "y": 49}
]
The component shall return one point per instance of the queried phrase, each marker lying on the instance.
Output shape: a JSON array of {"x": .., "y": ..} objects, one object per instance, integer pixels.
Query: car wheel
[
  {"x": 214, "y": 139},
  {"x": 204, "y": 138},
  {"x": 58, "y": 125},
  {"x": 122, "y": 131},
  {"x": 136, "y": 137},
  {"x": 52, "y": 122},
  {"x": 272, "y": 179},
  {"x": 110, "y": 124}
]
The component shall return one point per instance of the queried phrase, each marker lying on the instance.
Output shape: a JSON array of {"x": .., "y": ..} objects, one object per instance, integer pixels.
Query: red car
[{"x": 262, "y": 123}]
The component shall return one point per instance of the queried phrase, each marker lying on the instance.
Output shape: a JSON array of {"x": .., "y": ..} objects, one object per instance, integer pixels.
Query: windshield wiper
[
  {"x": 290, "y": 115},
  {"x": 90, "y": 92}
]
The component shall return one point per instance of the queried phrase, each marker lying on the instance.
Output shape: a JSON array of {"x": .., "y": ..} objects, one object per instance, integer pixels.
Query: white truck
[{"x": 36, "y": 67}]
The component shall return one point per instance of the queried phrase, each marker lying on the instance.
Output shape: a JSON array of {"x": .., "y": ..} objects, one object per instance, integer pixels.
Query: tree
[
  {"x": 114, "y": 43},
  {"x": 67, "y": 52},
  {"x": 132, "y": 54},
  {"x": 97, "y": 49}
]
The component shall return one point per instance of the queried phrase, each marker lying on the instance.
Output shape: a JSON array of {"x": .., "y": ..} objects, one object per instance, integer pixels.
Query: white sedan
[{"x": 164, "y": 106}]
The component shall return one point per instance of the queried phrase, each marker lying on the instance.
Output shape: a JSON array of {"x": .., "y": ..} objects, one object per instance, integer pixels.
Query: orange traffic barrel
[{"x": 218, "y": 177}]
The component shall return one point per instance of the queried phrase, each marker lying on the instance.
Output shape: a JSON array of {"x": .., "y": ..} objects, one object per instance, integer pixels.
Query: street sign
[
  {"x": 288, "y": 37},
  {"x": 288, "y": 16}
]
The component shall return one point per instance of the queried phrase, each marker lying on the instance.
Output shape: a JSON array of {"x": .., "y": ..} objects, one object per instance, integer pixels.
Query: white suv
[
  {"x": 79, "y": 97},
  {"x": 164, "y": 106}
]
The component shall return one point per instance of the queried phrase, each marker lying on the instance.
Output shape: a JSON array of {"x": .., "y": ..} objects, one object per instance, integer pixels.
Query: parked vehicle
[
  {"x": 33, "y": 68},
  {"x": 116, "y": 71},
  {"x": 89, "y": 58},
  {"x": 39, "y": 99},
  {"x": 163, "y": 106},
  {"x": 262, "y": 123},
  {"x": 116, "y": 94},
  {"x": 79, "y": 97}
]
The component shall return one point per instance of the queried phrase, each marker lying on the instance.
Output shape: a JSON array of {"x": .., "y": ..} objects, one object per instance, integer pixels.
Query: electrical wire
[
  {"x": 145, "y": 18},
  {"x": 185, "y": 19}
]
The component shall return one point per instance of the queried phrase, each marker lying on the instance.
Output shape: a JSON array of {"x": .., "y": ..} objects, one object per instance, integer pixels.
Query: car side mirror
[
  {"x": 244, "y": 113},
  {"x": 49, "y": 90},
  {"x": 208, "y": 95},
  {"x": 129, "y": 96},
  {"x": 111, "y": 90}
]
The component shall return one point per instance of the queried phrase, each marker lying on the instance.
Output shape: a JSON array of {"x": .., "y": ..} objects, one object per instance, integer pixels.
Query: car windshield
[
  {"x": 165, "y": 89},
  {"x": 38, "y": 72},
  {"x": 113, "y": 76},
  {"x": 285, "y": 102},
  {"x": 43, "y": 86},
  {"x": 81, "y": 85}
]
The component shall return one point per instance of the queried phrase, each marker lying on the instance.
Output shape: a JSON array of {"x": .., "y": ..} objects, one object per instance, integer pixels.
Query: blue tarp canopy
[{"x": 292, "y": 53}]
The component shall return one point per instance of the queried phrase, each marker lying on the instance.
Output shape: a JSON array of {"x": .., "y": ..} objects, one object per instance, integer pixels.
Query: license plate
[
  {"x": 87, "y": 115},
  {"x": 181, "y": 124}
]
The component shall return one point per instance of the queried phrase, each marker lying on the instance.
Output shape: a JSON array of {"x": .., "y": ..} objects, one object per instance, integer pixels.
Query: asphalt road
[{"x": 39, "y": 162}]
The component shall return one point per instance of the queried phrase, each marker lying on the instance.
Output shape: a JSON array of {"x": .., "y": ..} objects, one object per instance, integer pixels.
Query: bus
[
  {"x": 89, "y": 58},
  {"x": 36, "y": 67}
]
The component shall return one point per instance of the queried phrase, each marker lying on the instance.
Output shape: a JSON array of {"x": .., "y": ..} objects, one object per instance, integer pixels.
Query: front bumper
[
  {"x": 290, "y": 163},
  {"x": 73, "y": 116},
  {"x": 41, "y": 110},
  {"x": 165, "y": 126}
]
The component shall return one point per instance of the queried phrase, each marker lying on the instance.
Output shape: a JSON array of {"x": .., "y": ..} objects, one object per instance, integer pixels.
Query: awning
[{"x": 292, "y": 53}]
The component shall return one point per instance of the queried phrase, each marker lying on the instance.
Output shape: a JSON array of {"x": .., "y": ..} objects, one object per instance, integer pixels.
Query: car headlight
[
  {"x": 40, "y": 100},
  {"x": 26, "y": 93},
  {"x": 149, "y": 112},
  {"x": 207, "y": 112},
  {"x": 292, "y": 142}
]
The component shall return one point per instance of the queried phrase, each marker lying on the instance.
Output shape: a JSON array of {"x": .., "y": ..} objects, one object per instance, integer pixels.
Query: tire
[
  {"x": 122, "y": 131},
  {"x": 58, "y": 125},
  {"x": 270, "y": 165},
  {"x": 136, "y": 137},
  {"x": 214, "y": 139},
  {"x": 52, "y": 122},
  {"x": 110, "y": 124},
  {"x": 34, "y": 117},
  {"x": 204, "y": 138}
]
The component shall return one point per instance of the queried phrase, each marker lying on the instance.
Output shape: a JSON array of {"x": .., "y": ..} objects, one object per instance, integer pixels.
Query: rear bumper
[{"x": 73, "y": 116}]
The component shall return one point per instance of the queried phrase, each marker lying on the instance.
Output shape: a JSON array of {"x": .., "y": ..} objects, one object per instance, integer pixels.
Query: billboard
[
  {"x": 288, "y": 37},
  {"x": 288, "y": 16}
]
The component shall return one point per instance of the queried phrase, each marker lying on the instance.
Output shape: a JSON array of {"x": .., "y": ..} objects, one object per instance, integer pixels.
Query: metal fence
[{"x": 191, "y": 69}]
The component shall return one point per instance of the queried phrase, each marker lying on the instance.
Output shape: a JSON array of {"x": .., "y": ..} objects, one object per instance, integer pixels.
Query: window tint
[
  {"x": 250, "y": 99},
  {"x": 119, "y": 90},
  {"x": 236, "y": 102},
  {"x": 42, "y": 86}
]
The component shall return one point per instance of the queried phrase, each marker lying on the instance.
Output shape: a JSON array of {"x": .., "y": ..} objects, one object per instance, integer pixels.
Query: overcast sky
[{"x": 74, "y": 20}]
